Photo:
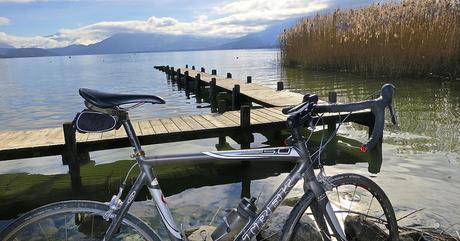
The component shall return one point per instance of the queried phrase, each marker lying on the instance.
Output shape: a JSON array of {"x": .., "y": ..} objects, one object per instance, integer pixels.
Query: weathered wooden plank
[
  {"x": 181, "y": 124},
  {"x": 108, "y": 135},
  {"x": 272, "y": 111},
  {"x": 228, "y": 119},
  {"x": 120, "y": 133},
  {"x": 157, "y": 126},
  {"x": 260, "y": 117},
  {"x": 215, "y": 121},
  {"x": 205, "y": 123},
  {"x": 81, "y": 137},
  {"x": 192, "y": 123},
  {"x": 146, "y": 128},
  {"x": 94, "y": 136},
  {"x": 268, "y": 117},
  {"x": 169, "y": 125},
  {"x": 137, "y": 128}
]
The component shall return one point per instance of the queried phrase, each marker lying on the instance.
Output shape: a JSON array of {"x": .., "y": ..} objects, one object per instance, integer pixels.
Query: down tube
[{"x": 256, "y": 224}]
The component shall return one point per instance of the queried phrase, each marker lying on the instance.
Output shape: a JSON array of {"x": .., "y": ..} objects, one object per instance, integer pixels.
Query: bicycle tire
[
  {"x": 338, "y": 183},
  {"x": 78, "y": 214}
]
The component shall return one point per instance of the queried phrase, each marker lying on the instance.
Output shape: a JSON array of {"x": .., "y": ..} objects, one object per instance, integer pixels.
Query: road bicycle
[{"x": 327, "y": 200}]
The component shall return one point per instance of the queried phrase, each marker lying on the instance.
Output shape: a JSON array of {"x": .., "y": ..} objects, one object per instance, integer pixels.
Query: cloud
[
  {"x": 232, "y": 19},
  {"x": 30, "y": 42},
  {"x": 4, "y": 21}
]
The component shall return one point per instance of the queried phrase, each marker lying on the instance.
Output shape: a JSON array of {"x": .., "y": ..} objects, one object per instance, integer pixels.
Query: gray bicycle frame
[{"x": 297, "y": 153}]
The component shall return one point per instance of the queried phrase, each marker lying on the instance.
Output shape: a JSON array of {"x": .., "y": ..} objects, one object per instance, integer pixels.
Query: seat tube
[{"x": 152, "y": 183}]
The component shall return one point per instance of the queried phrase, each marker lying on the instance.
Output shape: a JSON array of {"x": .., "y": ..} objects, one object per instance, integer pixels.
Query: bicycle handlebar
[{"x": 377, "y": 107}]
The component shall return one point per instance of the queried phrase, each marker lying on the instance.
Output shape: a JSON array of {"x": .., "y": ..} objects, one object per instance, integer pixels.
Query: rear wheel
[
  {"x": 74, "y": 220},
  {"x": 362, "y": 208}
]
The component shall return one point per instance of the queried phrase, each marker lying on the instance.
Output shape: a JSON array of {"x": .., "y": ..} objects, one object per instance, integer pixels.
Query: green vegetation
[{"x": 407, "y": 38}]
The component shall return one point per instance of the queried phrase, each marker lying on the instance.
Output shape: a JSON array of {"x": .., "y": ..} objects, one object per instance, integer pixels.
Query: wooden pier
[{"x": 233, "y": 119}]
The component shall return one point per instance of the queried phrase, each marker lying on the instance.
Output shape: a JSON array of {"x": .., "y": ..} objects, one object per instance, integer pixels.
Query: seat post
[{"x": 124, "y": 118}]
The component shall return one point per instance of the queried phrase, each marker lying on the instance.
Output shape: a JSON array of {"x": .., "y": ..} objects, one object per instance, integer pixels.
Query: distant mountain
[
  {"x": 142, "y": 42},
  {"x": 24, "y": 52},
  {"x": 269, "y": 38},
  {"x": 153, "y": 42},
  {"x": 6, "y": 46}
]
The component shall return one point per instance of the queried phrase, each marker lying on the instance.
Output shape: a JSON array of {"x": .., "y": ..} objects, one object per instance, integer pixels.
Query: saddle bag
[{"x": 90, "y": 121}]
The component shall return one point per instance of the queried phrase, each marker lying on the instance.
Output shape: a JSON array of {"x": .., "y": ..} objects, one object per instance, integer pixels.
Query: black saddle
[{"x": 110, "y": 100}]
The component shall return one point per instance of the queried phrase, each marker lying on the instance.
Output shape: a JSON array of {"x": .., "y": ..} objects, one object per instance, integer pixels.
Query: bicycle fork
[{"x": 321, "y": 208}]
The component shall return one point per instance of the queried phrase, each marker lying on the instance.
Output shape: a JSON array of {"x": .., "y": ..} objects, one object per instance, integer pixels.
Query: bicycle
[{"x": 89, "y": 220}]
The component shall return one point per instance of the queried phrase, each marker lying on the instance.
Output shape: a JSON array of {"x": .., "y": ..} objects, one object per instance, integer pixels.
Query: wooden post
[
  {"x": 279, "y": 86},
  {"x": 229, "y": 75},
  {"x": 186, "y": 85},
  {"x": 178, "y": 78},
  {"x": 236, "y": 97},
  {"x": 222, "y": 141},
  {"x": 245, "y": 116},
  {"x": 70, "y": 155},
  {"x": 168, "y": 75},
  {"x": 221, "y": 106},
  {"x": 213, "y": 95},
  {"x": 249, "y": 79},
  {"x": 172, "y": 73},
  {"x": 214, "y": 72},
  {"x": 202, "y": 70},
  {"x": 193, "y": 67},
  {"x": 332, "y": 98},
  {"x": 197, "y": 84}
]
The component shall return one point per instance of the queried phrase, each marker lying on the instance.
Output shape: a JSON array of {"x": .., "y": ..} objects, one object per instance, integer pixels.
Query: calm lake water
[{"x": 421, "y": 158}]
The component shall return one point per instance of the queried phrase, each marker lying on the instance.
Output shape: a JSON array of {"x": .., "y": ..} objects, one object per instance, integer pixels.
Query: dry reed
[{"x": 404, "y": 38}]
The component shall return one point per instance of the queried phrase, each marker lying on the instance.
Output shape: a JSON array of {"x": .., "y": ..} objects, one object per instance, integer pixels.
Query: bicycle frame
[{"x": 297, "y": 153}]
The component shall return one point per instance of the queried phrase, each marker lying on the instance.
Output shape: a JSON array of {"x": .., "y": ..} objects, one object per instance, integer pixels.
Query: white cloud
[
  {"x": 4, "y": 21},
  {"x": 232, "y": 19},
  {"x": 30, "y": 42}
]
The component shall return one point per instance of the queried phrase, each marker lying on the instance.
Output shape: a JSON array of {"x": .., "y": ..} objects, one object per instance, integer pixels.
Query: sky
[{"x": 59, "y": 23}]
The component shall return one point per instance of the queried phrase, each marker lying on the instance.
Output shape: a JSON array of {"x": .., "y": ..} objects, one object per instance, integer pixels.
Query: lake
[{"x": 421, "y": 156}]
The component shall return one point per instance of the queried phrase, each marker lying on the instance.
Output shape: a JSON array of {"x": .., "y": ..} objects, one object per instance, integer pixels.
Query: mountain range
[{"x": 154, "y": 42}]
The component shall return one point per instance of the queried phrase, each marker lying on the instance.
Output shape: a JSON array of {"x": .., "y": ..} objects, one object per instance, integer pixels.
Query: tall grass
[{"x": 404, "y": 38}]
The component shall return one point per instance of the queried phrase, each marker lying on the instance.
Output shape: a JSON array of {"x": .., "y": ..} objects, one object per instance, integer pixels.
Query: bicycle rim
[
  {"x": 74, "y": 220},
  {"x": 362, "y": 208}
]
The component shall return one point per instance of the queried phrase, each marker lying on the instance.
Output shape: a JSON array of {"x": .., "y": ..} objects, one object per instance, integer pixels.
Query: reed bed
[{"x": 403, "y": 38}]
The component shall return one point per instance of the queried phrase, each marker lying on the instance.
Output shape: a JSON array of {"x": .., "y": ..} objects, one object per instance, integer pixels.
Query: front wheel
[
  {"x": 74, "y": 220},
  {"x": 362, "y": 208}
]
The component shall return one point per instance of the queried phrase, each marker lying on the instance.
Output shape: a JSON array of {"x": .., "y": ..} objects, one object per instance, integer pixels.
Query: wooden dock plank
[
  {"x": 169, "y": 125},
  {"x": 215, "y": 121},
  {"x": 157, "y": 126},
  {"x": 108, "y": 135},
  {"x": 192, "y": 123},
  {"x": 180, "y": 123},
  {"x": 205, "y": 123},
  {"x": 146, "y": 128},
  {"x": 120, "y": 133}
]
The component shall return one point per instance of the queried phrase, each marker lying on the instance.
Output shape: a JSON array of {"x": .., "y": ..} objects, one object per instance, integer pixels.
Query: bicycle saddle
[{"x": 111, "y": 100}]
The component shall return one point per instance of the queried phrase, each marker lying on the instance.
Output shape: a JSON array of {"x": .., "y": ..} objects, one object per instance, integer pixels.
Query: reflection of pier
[{"x": 229, "y": 97}]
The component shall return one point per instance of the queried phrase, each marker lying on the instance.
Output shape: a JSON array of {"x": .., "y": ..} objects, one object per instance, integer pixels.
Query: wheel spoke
[
  {"x": 43, "y": 231},
  {"x": 370, "y": 204}
]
